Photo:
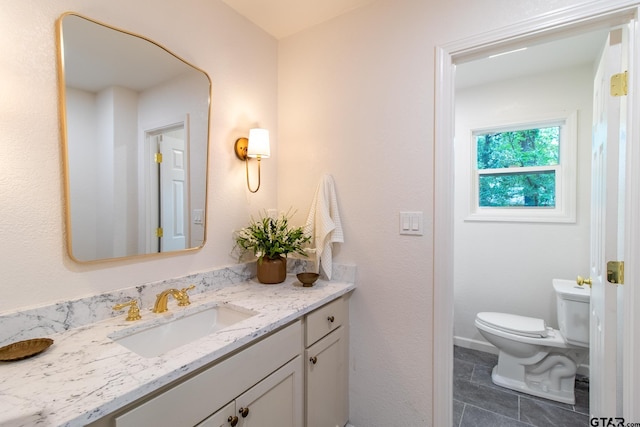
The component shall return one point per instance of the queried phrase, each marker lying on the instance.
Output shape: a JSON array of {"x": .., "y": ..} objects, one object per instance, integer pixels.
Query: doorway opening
[
  {"x": 167, "y": 188},
  {"x": 555, "y": 26}
]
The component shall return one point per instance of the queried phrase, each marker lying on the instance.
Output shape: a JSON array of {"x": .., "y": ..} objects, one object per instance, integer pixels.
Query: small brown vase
[{"x": 272, "y": 270}]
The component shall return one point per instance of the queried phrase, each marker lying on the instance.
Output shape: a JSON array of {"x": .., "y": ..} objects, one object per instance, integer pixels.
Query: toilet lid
[{"x": 514, "y": 324}]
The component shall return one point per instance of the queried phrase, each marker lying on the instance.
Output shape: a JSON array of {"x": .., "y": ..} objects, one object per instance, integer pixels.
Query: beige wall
[
  {"x": 241, "y": 61},
  {"x": 356, "y": 99}
]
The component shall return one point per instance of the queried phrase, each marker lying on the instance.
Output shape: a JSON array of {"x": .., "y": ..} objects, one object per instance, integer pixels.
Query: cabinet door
[
  {"x": 326, "y": 398},
  {"x": 275, "y": 401},
  {"x": 225, "y": 417}
]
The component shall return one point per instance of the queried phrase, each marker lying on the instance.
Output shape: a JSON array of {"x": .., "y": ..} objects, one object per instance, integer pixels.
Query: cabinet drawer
[{"x": 325, "y": 319}]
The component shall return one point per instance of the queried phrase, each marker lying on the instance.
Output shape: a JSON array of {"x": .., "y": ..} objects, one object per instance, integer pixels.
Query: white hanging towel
[{"x": 323, "y": 223}]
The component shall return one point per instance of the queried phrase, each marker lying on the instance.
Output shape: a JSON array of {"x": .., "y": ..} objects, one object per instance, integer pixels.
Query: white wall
[
  {"x": 508, "y": 267},
  {"x": 35, "y": 266},
  {"x": 82, "y": 124},
  {"x": 356, "y": 99}
]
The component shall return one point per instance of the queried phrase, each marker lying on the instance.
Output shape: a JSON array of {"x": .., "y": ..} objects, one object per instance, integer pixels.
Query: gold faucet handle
[
  {"x": 134, "y": 311},
  {"x": 184, "y": 299},
  {"x": 582, "y": 281}
]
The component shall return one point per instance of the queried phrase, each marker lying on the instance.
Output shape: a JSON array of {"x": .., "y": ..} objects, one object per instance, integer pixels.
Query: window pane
[
  {"x": 529, "y": 147},
  {"x": 518, "y": 189}
]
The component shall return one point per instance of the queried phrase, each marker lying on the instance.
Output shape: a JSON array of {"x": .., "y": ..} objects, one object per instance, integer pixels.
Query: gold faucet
[{"x": 180, "y": 295}]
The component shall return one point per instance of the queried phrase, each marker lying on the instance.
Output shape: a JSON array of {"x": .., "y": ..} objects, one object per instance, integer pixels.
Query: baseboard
[
  {"x": 475, "y": 345},
  {"x": 583, "y": 369}
]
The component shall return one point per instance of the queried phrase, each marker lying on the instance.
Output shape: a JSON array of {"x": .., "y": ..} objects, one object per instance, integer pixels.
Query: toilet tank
[{"x": 572, "y": 303}]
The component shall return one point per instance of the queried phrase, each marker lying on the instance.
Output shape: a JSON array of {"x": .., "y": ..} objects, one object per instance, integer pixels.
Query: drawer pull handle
[
  {"x": 244, "y": 412},
  {"x": 331, "y": 319},
  {"x": 233, "y": 420},
  {"x": 313, "y": 359}
]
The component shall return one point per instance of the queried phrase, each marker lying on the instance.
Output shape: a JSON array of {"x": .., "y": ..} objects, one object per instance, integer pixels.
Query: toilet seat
[
  {"x": 514, "y": 324},
  {"x": 553, "y": 337}
]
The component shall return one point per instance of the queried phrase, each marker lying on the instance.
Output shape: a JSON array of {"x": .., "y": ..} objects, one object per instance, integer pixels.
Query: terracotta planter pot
[{"x": 272, "y": 270}]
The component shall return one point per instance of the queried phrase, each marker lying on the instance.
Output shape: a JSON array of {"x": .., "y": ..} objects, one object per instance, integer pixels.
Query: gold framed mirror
[{"x": 135, "y": 136}]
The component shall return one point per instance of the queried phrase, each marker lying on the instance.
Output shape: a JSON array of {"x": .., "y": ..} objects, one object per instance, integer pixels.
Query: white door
[
  {"x": 607, "y": 226},
  {"x": 173, "y": 193}
]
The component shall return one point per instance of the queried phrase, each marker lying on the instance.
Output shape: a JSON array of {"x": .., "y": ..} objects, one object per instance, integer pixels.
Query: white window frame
[{"x": 565, "y": 192}]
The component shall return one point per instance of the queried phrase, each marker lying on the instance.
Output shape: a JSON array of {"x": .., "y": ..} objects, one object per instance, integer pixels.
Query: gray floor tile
[
  {"x": 479, "y": 402},
  {"x": 477, "y": 417},
  {"x": 475, "y": 356},
  {"x": 458, "y": 407},
  {"x": 539, "y": 413},
  {"x": 488, "y": 398},
  {"x": 462, "y": 369},
  {"x": 482, "y": 375}
]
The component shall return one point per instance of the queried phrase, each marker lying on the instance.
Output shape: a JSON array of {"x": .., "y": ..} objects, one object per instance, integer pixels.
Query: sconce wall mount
[
  {"x": 240, "y": 148},
  {"x": 256, "y": 146}
]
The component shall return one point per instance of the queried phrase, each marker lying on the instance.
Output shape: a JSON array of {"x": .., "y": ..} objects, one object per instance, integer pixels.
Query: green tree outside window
[{"x": 501, "y": 154}]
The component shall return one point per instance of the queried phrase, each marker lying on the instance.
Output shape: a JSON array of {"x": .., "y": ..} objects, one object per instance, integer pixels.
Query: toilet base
[{"x": 534, "y": 388}]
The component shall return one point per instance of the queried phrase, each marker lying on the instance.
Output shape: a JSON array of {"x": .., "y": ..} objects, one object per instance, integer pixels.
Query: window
[{"x": 525, "y": 172}]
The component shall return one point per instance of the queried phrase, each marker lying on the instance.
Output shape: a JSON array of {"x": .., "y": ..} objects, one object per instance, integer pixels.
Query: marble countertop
[{"x": 85, "y": 375}]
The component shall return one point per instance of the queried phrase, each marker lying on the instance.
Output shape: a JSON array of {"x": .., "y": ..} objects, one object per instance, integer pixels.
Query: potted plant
[{"x": 271, "y": 239}]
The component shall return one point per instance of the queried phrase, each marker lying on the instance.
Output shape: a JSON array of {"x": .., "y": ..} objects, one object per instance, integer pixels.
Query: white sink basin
[{"x": 160, "y": 338}]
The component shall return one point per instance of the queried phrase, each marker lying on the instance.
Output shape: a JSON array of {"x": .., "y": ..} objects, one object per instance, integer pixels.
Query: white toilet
[{"x": 537, "y": 359}]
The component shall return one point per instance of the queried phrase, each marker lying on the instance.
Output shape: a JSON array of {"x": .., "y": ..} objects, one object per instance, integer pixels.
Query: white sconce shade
[
  {"x": 256, "y": 146},
  {"x": 258, "y": 143}
]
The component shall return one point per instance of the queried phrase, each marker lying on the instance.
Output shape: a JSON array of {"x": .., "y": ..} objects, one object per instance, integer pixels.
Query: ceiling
[
  {"x": 562, "y": 53},
  {"x": 282, "y": 18},
  {"x": 97, "y": 57}
]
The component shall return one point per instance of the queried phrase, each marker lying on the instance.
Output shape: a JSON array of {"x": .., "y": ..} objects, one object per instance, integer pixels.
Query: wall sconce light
[{"x": 256, "y": 146}]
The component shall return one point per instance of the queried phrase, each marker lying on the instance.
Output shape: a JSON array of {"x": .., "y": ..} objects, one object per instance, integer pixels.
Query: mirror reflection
[{"x": 135, "y": 122}]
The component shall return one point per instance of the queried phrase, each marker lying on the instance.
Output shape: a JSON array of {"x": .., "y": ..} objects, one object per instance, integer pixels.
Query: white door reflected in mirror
[{"x": 126, "y": 99}]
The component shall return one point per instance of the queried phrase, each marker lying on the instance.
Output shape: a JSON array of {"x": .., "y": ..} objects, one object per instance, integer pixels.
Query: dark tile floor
[{"x": 479, "y": 402}]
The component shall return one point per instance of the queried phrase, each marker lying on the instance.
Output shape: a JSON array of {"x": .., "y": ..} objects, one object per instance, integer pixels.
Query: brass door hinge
[
  {"x": 615, "y": 272},
  {"x": 619, "y": 84},
  {"x": 157, "y": 157},
  {"x": 159, "y": 232}
]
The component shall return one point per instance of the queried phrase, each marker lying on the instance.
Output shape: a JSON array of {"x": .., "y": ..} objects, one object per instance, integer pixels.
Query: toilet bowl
[{"x": 534, "y": 358}]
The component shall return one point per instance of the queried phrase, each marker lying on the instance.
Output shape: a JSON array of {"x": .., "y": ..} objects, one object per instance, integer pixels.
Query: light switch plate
[
  {"x": 198, "y": 216},
  {"x": 412, "y": 223}
]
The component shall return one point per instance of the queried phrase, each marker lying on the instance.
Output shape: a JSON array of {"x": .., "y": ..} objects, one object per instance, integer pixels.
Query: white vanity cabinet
[
  {"x": 293, "y": 377},
  {"x": 275, "y": 401},
  {"x": 225, "y": 417},
  {"x": 326, "y": 359},
  {"x": 266, "y": 372}
]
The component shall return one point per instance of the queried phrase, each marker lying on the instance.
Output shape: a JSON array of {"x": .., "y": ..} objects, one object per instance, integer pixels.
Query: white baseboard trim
[
  {"x": 583, "y": 369},
  {"x": 475, "y": 345}
]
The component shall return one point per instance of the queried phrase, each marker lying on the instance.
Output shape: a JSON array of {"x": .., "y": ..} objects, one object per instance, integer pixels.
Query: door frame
[{"x": 580, "y": 18}]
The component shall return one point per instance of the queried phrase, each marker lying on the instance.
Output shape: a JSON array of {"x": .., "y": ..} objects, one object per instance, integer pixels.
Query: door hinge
[
  {"x": 615, "y": 272},
  {"x": 159, "y": 232},
  {"x": 157, "y": 157},
  {"x": 619, "y": 84}
]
